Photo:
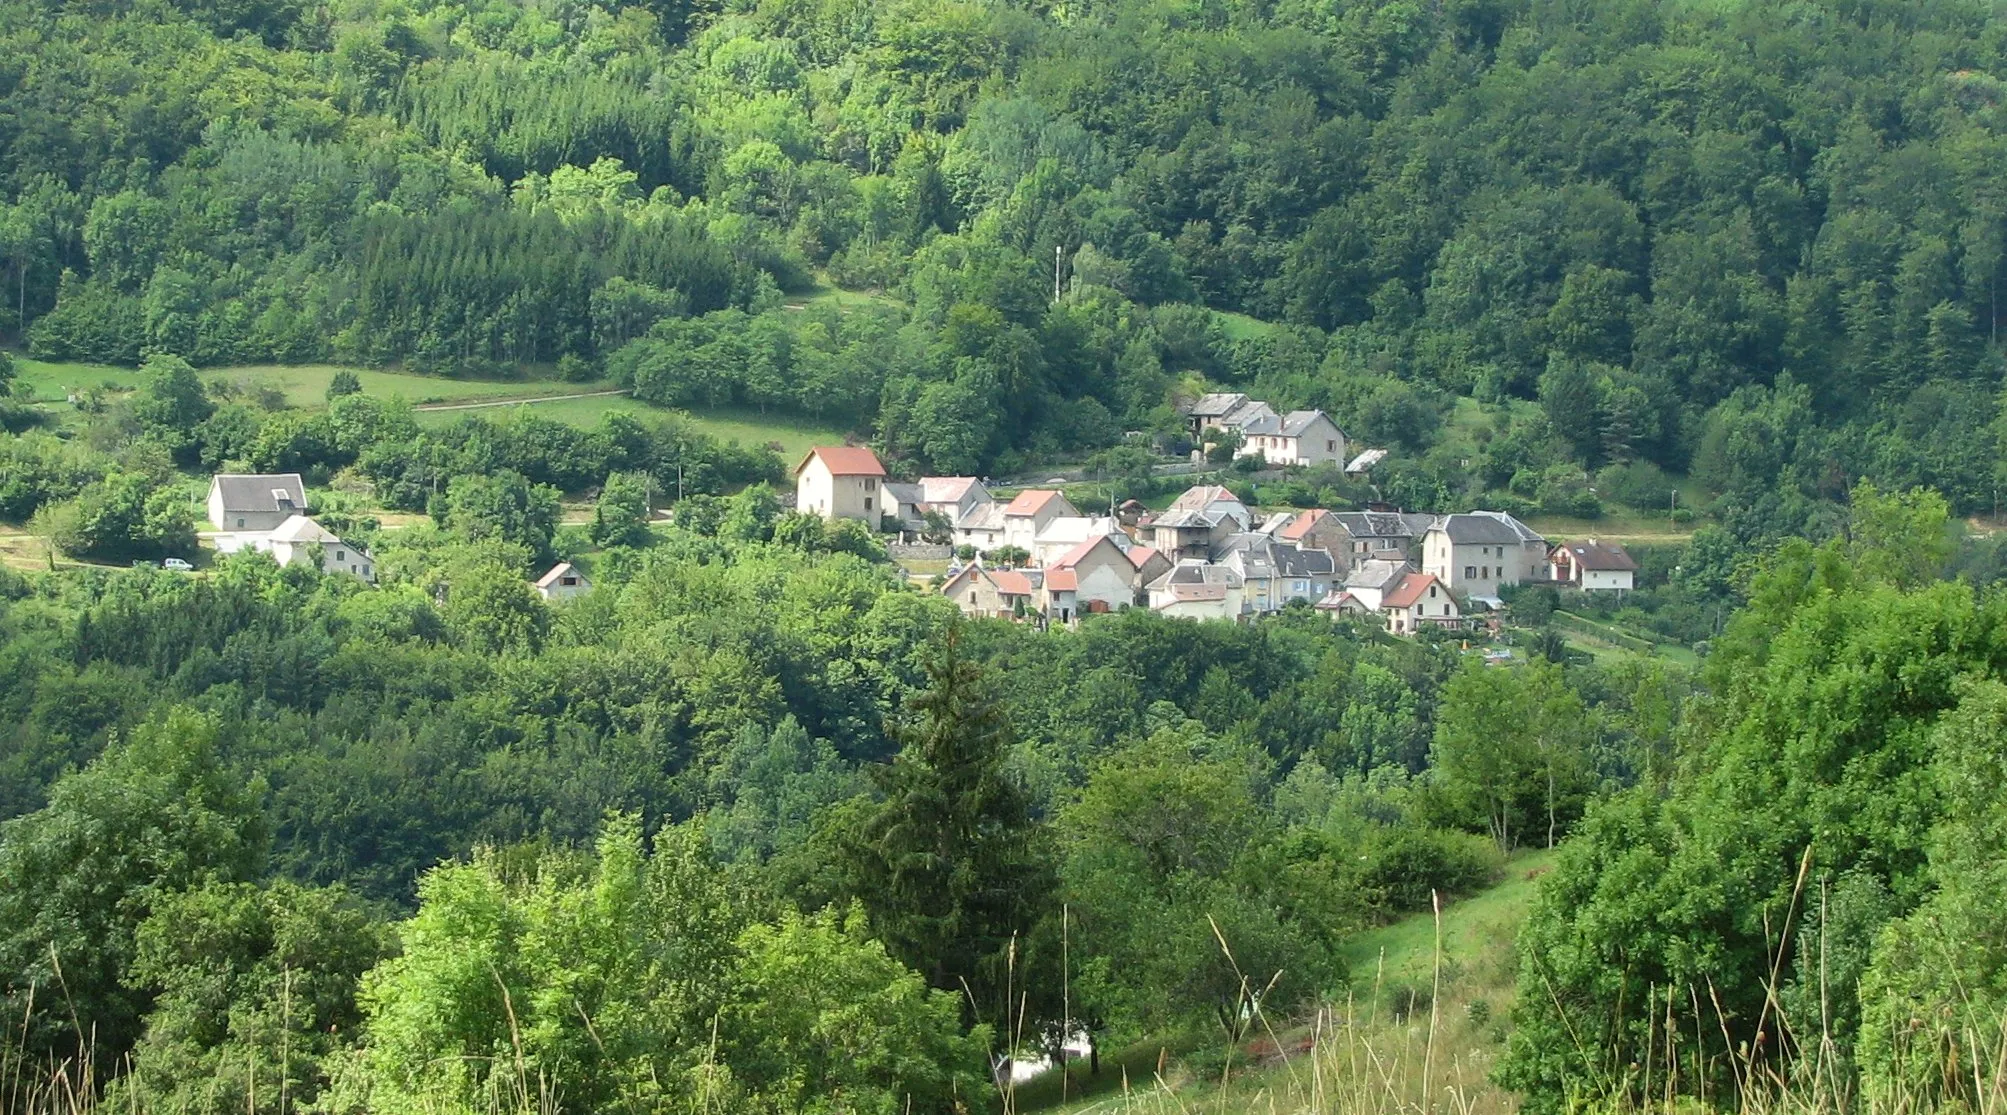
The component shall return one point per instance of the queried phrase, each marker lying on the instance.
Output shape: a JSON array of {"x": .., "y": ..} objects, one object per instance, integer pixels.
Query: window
[
  {"x": 240, "y": 524},
  {"x": 1470, "y": 572},
  {"x": 568, "y": 582},
  {"x": 340, "y": 555},
  {"x": 1331, "y": 447},
  {"x": 1484, "y": 572},
  {"x": 1432, "y": 592},
  {"x": 867, "y": 503}
]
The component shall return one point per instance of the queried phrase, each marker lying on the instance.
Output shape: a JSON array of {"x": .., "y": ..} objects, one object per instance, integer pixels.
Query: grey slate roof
[
  {"x": 1479, "y": 529},
  {"x": 1376, "y": 573},
  {"x": 1295, "y": 561},
  {"x": 1297, "y": 421},
  {"x": 1378, "y": 524},
  {"x": 910, "y": 495},
  {"x": 259, "y": 492},
  {"x": 1218, "y": 405}
]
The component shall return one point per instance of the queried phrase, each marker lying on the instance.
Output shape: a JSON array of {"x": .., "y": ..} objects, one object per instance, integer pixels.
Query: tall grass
[{"x": 1395, "y": 1046}]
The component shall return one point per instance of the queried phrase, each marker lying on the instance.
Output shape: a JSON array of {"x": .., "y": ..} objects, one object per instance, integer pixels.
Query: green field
[
  {"x": 303, "y": 385},
  {"x": 1241, "y": 327},
  {"x": 794, "y": 436},
  {"x": 1405, "y": 950},
  {"x": 307, "y": 385}
]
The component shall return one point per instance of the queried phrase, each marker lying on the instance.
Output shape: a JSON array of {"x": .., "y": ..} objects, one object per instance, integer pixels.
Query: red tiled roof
[
  {"x": 1010, "y": 582},
  {"x": 1030, "y": 501},
  {"x": 1073, "y": 557},
  {"x": 1408, "y": 590},
  {"x": 1062, "y": 580},
  {"x": 1301, "y": 525},
  {"x": 1141, "y": 555},
  {"x": 845, "y": 460}
]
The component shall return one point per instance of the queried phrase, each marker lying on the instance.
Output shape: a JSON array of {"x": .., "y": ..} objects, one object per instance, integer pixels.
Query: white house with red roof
[
  {"x": 1594, "y": 566},
  {"x": 1103, "y": 576},
  {"x": 1027, "y": 515},
  {"x": 841, "y": 482},
  {"x": 1419, "y": 600}
]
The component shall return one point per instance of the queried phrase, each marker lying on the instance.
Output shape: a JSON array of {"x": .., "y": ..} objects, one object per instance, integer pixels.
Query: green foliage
[
  {"x": 80, "y": 876},
  {"x": 949, "y": 864},
  {"x": 126, "y": 516},
  {"x": 1821, "y": 754},
  {"x": 621, "y": 516},
  {"x": 1933, "y": 992},
  {"x": 256, "y": 988},
  {"x": 1510, "y": 750},
  {"x": 503, "y": 507}
]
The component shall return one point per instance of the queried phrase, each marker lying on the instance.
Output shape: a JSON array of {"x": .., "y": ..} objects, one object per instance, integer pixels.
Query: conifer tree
[{"x": 950, "y": 865}]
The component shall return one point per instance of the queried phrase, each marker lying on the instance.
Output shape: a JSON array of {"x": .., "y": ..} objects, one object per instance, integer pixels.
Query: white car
[{"x": 176, "y": 564}]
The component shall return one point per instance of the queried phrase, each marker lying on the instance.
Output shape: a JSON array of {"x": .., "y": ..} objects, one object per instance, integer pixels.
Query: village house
[
  {"x": 1026, "y": 516},
  {"x": 1318, "y": 529},
  {"x": 1064, "y": 533},
  {"x": 1594, "y": 566},
  {"x": 1150, "y": 564},
  {"x": 1341, "y": 604},
  {"x": 301, "y": 541},
  {"x": 255, "y": 503},
  {"x": 1381, "y": 534},
  {"x": 841, "y": 482},
  {"x": 1211, "y": 411},
  {"x": 1301, "y": 437},
  {"x": 1419, "y": 600},
  {"x": 1479, "y": 553},
  {"x": 1274, "y": 573},
  {"x": 954, "y": 497},
  {"x": 1197, "y": 590},
  {"x": 563, "y": 582},
  {"x": 1059, "y": 599},
  {"x": 981, "y": 592},
  {"x": 1103, "y": 577},
  {"x": 903, "y": 503},
  {"x": 1198, "y": 522},
  {"x": 1370, "y": 580}
]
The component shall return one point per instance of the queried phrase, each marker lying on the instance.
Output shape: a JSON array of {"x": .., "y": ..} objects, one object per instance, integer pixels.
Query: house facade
[
  {"x": 1104, "y": 578},
  {"x": 563, "y": 582},
  {"x": 1197, "y": 590},
  {"x": 1594, "y": 566},
  {"x": 301, "y": 541},
  {"x": 1420, "y": 600},
  {"x": 254, "y": 503},
  {"x": 1029, "y": 513},
  {"x": 841, "y": 482},
  {"x": 1274, "y": 574},
  {"x": 1301, "y": 437},
  {"x": 981, "y": 592},
  {"x": 955, "y": 497},
  {"x": 1481, "y": 552}
]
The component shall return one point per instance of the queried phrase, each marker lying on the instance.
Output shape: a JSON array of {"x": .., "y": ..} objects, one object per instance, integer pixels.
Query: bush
[{"x": 1406, "y": 863}]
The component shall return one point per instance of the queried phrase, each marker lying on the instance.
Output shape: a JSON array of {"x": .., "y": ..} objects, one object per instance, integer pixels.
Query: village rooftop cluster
[{"x": 1207, "y": 555}]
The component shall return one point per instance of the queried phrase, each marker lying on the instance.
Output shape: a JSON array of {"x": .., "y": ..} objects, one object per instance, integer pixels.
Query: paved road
[{"x": 519, "y": 401}]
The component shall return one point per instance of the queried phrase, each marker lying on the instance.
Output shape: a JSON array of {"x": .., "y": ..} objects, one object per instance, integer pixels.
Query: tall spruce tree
[{"x": 954, "y": 874}]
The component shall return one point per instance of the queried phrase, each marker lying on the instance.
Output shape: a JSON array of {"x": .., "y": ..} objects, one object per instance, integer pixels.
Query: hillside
[{"x": 1368, "y": 1051}]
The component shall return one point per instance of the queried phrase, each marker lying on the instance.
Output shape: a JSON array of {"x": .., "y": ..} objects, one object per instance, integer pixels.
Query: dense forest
[
  {"x": 1759, "y": 242},
  {"x": 758, "y": 823}
]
